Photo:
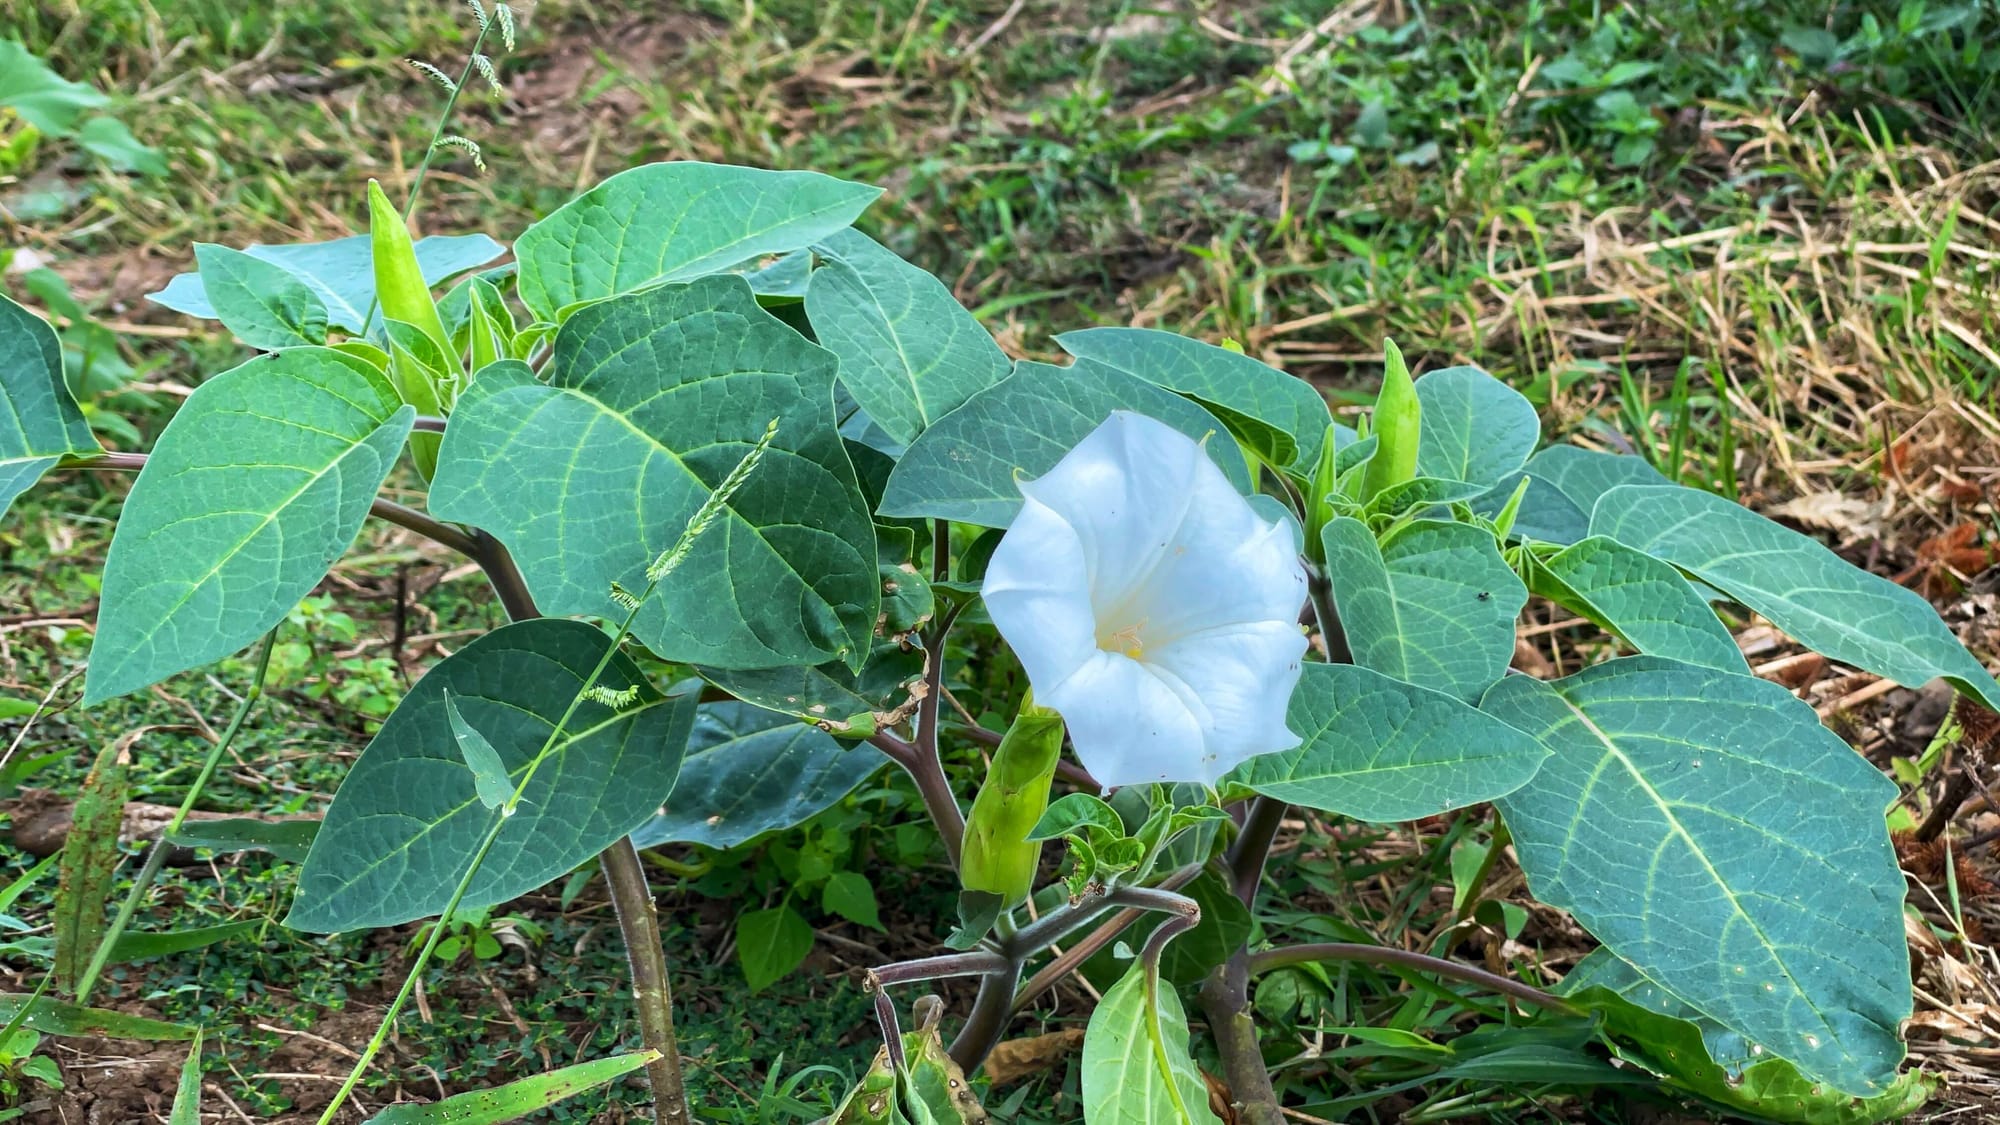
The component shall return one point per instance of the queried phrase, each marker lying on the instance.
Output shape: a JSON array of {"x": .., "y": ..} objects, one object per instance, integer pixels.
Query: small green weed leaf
[
  {"x": 42, "y": 422},
  {"x": 264, "y": 305},
  {"x": 408, "y": 818},
  {"x": 341, "y": 273},
  {"x": 288, "y": 840},
  {"x": 849, "y": 894},
  {"x": 1641, "y": 599},
  {"x": 749, "y": 771},
  {"x": 650, "y": 401},
  {"x": 1706, "y": 828},
  {"x": 1656, "y": 1030},
  {"x": 1381, "y": 749},
  {"x": 771, "y": 943},
  {"x": 1815, "y": 596},
  {"x": 1583, "y": 475},
  {"x": 187, "y": 1092},
  {"x": 132, "y": 946},
  {"x": 1075, "y": 814},
  {"x": 1476, "y": 428},
  {"x": 1126, "y": 1073},
  {"x": 675, "y": 222},
  {"x": 489, "y": 773},
  {"x": 516, "y": 1099},
  {"x": 89, "y": 858},
  {"x": 54, "y": 1017},
  {"x": 1282, "y": 417},
  {"x": 258, "y": 484},
  {"x": 909, "y": 352},
  {"x": 1434, "y": 606},
  {"x": 963, "y": 468},
  {"x": 42, "y": 98}
]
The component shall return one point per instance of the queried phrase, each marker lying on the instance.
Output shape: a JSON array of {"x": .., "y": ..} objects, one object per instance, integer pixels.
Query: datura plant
[{"x": 751, "y": 488}]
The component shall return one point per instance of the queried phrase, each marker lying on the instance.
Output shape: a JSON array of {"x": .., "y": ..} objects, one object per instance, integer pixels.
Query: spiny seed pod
[
  {"x": 998, "y": 857},
  {"x": 1398, "y": 418}
]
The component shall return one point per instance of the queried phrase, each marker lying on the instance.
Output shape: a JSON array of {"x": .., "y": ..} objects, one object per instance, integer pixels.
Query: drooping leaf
[
  {"x": 54, "y": 1017},
  {"x": 1380, "y": 749},
  {"x": 258, "y": 484},
  {"x": 489, "y": 774},
  {"x": 1123, "y": 1080},
  {"x": 1280, "y": 416},
  {"x": 675, "y": 222},
  {"x": 1641, "y": 599},
  {"x": 1583, "y": 475},
  {"x": 909, "y": 352},
  {"x": 963, "y": 468},
  {"x": 341, "y": 273},
  {"x": 1434, "y": 606},
  {"x": 288, "y": 840},
  {"x": 41, "y": 423},
  {"x": 1476, "y": 428},
  {"x": 89, "y": 859},
  {"x": 516, "y": 1099},
  {"x": 1707, "y": 829},
  {"x": 408, "y": 819},
  {"x": 650, "y": 401},
  {"x": 771, "y": 943},
  {"x": 1816, "y": 597},
  {"x": 749, "y": 771},
  {"x": 263, "y": 304}
]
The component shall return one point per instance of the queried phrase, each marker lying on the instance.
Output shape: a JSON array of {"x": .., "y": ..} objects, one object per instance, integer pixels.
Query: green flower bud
[
  {"x": 1398, "y": 417},
  {"x": 998, "y": 857}
]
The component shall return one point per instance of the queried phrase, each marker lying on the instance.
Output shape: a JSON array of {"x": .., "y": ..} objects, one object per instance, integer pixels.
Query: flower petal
[
  {"x": 1242, "y": 676},
  {"x": 1036, "y": 592},
  {"x": 1227, "y": 566},
  {"x": 1128, "y": 726}
]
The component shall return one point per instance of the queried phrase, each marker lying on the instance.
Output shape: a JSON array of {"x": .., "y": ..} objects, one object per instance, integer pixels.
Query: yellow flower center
[{"x": 1128, "y": 640}]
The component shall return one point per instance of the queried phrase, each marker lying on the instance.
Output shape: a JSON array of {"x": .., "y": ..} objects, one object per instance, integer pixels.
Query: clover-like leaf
[
  {"x": 258, "y": 484},
  {"x": 408, "y": 819},
  {"x": 1705, "y": 827},
  {"x": 41, "y": 423},
  {"x": 650, "y": 401}
]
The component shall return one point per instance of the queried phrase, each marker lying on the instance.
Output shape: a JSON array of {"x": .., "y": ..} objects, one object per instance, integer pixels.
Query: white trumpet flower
[{"x": 1152, "y": 607}]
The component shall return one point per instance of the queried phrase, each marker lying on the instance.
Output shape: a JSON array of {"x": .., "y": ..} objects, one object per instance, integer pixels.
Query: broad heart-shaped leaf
[
  {"x": 407, "y": 820},
  {"x": 1709, "y": 830},
  {"x": 1434, "y": 606},
  {"x": 771, "y": 943},
  {"x": 909, "y": 352},
  {"x": 1123, "y": 1083},
  {"x": 1812, "y": 594},
  {"x": 651, "y": 400},
  {"x": 1283, "y": 418},
  {"x": 1546, "y": 513},
  {"x": 1475, "y": 427},
  {"x": 40, "y": 422},
  {"x": 749, "y": 771},
  {"x": 341, "y": 273},
  {"x": 257, "y": 485},
  {"x": 1641, "y": 599},
  {"x": 1583, "y": 475},
  {"x": 263, "y": 304},
  {"x": 964, "y": 468},
  {"x": 1379, "y": 749},
  {"x": 675, "y": 222}
]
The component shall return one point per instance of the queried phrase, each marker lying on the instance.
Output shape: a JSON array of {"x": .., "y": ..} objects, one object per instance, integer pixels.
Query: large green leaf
[
  {"x": 516, "y": 1099},
  {"x": 257, "y": 485},
  {"x": 1709, "y": 830},
  {"x": 1804, "y": 589},
  {"x": 650, "y": 401},
  {"x": 341, "y": 273},
  {"x": 675, "y": 222},
  {"x": 1282, "y": 417},
  {"x": 1641, "y": 599},
  {"x": 909, "y": 352},
  {"x": 407, "y": 820},
  {"x": 1434, "y": 606},
  {"x": 1382, "y": 750},
  {"x": 1546, "y": 513},
  {"x": 1124, "y": 1082},
  {"x": 749, "y": 771},
  {"x": 39, "y": 421},
  {"x": 1475, "y": 427},
  {"x": 264, "y": 304},
  {"x": 964, "y": 468},
  {"x": 1583, "y": 475}
]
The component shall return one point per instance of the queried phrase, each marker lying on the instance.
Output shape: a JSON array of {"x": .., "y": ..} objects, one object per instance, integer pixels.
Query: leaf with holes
[
  {"x": 1475, "y": 427},
  {"x": 1379, "y": 749},
  {"x": 258, "y": 484},
  {"x": 650, "y": 401},
  {"x": 675, "y": 222},
  {"x": 408, "y": 818},
  {"x": 1816, "y": 597},
  {"x": 1707, "y": 829}
]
